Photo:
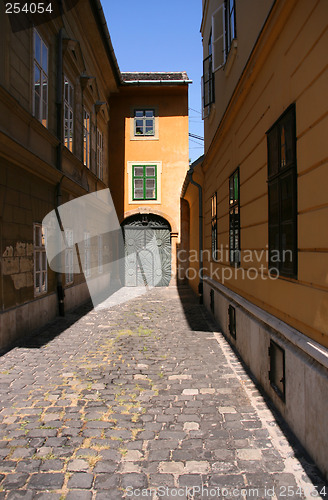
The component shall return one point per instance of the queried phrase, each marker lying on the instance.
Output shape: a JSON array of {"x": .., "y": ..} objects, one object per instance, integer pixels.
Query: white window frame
[
  {"x": 100, "y": 154},
  {"x": 218, "y": 38},
  {"x": 40, "y": 260},
  {"x": 86, "y": 138},
  {"x": 87, "y": 255},
  {"x": 69, "y": 108},
  {"x": 69, "y": 256},
  {"x": 44, "y": 82}
]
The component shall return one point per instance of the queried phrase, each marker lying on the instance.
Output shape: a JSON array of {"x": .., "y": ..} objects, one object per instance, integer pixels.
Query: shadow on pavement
[
  {"x": 197, "y": 316},
  {"x": 40, "y": 337},
  {"x": 200, "y": 319}
]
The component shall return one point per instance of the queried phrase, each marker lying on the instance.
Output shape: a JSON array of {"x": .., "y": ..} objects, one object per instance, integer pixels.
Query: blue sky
[{"x": 161, "y": 35}]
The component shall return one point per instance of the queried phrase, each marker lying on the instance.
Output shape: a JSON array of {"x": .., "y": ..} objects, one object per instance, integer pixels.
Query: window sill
[
  {"x": 144, "y": 138},
  {"x": 231, "y": 57},
  {"x": 144, "y": 202}
]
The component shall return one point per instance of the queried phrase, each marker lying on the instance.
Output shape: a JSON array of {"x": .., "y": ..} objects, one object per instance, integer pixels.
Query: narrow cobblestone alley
[{"x": 145, "y": 399}]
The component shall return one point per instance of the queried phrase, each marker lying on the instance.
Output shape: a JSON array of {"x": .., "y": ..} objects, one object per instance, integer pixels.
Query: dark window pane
[
  {"x": 138, "y": 194},
  {"x": 71, "y": 95},
  {"x": 150, "y": 194},
  {"x": 139, "y": 126},
  {"x": 44, "y": 58},
  {"x": 288, "y": 250},
  {"x": 37, "y": 80},
  {"x": 138, "y": 113},
  {"x": 66, "y": 91},
  {"x": 138, "y": 171},
  {"x": 138, "y": 183},
  {"x": 149, "y": 113},
  {"x": 37, "y": 47},
  {"x": 231, "y": 189},
  {"x": 283, "y": 157},
  {"x": 150, "y": 171},
  {"x": 287, "y": 199},
  {"x": 236, "y": 187},
  {"x": 273, "y": 152},
  {"x": 273, "y": 203},
  {"x": 149, "y": 130},
  {"x": 274, "y": 254},
  {"x": 289, "y": 126}
]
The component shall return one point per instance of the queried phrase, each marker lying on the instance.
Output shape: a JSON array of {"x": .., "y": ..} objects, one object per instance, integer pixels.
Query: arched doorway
[{"x": 147, "y": 244}]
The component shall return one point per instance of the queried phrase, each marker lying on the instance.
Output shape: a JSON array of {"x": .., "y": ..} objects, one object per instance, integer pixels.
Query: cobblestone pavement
[{"x": 145, "y": 399}]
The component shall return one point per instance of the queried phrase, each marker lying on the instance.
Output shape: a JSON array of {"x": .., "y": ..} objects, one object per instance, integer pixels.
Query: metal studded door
[{"x": 147, "y": 243}]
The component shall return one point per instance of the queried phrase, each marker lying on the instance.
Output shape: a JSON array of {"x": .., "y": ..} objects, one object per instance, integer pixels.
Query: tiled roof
[{"x": 155, "y": 77}]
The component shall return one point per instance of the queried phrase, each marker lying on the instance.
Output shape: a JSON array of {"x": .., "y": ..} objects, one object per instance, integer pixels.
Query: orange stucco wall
[{"x": 170, "y": 149}]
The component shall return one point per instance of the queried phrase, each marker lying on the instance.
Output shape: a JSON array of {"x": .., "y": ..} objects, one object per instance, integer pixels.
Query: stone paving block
[
  {"x": 46, "y": 481},
  {"x": 15, "y": 480},
  {"x": 79, "y": 495},
  {"x": 52, "y": 465},
  {"x": 18, "y": 494},
  {"x": 105, "y": 481},
  {"x": 107, "y": 467},
  {"x": 78, "y": 465},
  {"x": 171, "y": 467},
  {"x": 190, "y": 392},
  {"x": 134, "y": 481},
  {"x": 156, "y": 480},
  {"x": 49, "y": 495},
  {"x": 80, "y": 480},
  {"x": 249, "y": 454}
]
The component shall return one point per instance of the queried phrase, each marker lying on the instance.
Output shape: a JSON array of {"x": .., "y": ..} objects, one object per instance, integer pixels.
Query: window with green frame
[
  {"x": 234, "y": 218},
  {"x": 144, "y": 182},
  {"x": 214, "y": 229}
]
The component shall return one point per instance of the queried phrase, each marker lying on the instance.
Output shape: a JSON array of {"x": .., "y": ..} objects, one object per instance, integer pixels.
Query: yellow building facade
[
  {"x": 71, "y": 124},
  {"x": 265, "y": 207},
  {"x": 56, "y": 79}
]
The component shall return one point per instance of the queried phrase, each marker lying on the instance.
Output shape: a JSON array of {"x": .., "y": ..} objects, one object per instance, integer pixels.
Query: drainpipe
[
  {"x": 58, "y": 192},
  {"x": 200, "y": 210},
  {"x": 59, "y": 98},
  {"x": 60, "y": 289}
]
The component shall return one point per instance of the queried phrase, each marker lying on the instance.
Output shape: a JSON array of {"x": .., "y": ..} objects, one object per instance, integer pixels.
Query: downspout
[
  {"x": 200, "y": 210},
  {"x": 58, "y": 192}
]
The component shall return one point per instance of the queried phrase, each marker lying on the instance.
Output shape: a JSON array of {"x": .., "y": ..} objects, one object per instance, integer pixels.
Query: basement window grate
[
  {"x": 232, "y": 321},
  {"x": 277, "y": 369},
  {"x": 212, "y": 301}
]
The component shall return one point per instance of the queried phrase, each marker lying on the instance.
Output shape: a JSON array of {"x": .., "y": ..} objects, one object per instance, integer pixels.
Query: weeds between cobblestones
[{"x": 135, "y": 400}]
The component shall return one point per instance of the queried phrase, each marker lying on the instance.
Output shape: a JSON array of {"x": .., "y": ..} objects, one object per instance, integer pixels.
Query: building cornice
[{"x": 272, "y": 27}]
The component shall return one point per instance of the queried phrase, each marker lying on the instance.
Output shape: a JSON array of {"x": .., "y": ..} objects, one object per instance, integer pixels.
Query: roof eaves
[{"x": 101, "y": 21}]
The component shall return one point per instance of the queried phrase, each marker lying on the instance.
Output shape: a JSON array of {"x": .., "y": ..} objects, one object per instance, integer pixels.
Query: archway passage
[{"x": 147, "y": 244}]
